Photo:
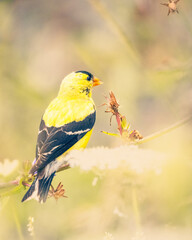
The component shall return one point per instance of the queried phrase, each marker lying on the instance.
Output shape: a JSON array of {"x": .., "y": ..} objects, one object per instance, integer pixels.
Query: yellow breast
[{"x": 63, "y": 111}]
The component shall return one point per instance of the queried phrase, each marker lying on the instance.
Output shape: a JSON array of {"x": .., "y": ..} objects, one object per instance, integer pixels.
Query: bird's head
[{"x": 79, "y": 83}]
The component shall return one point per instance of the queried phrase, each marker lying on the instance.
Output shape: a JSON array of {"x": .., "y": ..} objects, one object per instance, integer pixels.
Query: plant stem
[
  {"x": 9, "y": 184},
  {"x": 136, "y": 208},
  {"x": 102, "y": 10},
  {"x": 187, "y": 22},
  {"x": 18, "y": 225},
  {"x": 119, "y": 123},
  {"x": 165, "y": 130}
]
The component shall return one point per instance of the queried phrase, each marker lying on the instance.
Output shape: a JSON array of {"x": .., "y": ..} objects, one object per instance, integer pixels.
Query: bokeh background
[{"x": 144, "y": 57}]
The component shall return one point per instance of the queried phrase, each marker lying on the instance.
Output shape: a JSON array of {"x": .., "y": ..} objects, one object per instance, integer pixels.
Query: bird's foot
[{"x": 58, "y": 192}]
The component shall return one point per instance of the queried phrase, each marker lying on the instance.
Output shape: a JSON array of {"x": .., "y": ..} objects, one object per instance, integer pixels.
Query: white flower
[
  {"x": 137, "y": 159},
  {"x": 30, "y": 226},
  {"x": 117, "y": 212},
  {"x": 108, "y": 236},
  {"x": 94, "y": 182},
  {"x": 139, "y": 236},
  {"x": 8, "y": 167}
]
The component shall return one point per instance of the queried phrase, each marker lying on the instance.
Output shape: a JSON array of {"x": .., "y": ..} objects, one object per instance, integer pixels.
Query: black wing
[{"x": 54, "y": 141}]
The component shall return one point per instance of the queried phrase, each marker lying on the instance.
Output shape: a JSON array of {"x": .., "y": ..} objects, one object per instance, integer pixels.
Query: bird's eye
[{"x": 89, "y": 78}]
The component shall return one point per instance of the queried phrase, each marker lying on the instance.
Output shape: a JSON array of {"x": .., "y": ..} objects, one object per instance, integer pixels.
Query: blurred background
[{"x": 144, "y": 57}]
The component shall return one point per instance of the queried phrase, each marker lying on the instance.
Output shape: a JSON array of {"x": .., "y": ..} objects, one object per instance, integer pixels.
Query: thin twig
[
  {"x": 17, "y": 221},
  {"x": 25, "y": 183},
  {"x": 64, "y": 167},
  {"x": 136, "y": 208},
  {"x": 9, "y": 184},
  {"x": 165, "y": 130},
  {"x": 102, "y": 10}
]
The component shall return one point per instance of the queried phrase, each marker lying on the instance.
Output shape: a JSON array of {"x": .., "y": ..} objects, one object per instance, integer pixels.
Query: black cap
[{"x": 90, "y": 76}]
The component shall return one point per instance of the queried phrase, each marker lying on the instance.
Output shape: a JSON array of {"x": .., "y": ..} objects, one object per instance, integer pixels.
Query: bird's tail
[{"x": 39, "y": 189}]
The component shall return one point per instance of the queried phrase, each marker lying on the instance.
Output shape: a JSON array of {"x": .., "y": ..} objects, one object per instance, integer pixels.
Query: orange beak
[{"x": 96, "y": 82}]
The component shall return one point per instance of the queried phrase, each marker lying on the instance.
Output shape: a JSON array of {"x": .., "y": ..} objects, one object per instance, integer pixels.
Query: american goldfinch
[{"x": 66, "y": 124}]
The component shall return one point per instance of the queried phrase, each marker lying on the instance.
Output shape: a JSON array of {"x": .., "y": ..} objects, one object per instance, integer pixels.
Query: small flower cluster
[
  {"x": 30, "y": 226},
  {"x": 172, "y": 8},
  {"x": 117, "y": 212},
  {"x": 108, "y": 236},
  {"x": 139, "y": 236},
  {"x": 123, "y": 125},
  {"x": 7, "y": 167}
]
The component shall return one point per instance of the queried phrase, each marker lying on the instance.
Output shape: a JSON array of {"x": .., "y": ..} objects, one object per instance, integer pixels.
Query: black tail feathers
[
  {"x": 30, "y": 192},
  {"x": 39, "y": 189},
  {"x": 44, "y": 185}
]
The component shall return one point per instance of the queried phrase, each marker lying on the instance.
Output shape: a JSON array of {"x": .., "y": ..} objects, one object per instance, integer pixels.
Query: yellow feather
[
  {"x": 61, "y": 112},
  {"x": 72, "y": 102}
]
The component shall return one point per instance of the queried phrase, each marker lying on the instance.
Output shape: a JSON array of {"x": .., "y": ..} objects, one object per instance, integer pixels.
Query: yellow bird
[{"x": 66, "y": 124}]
